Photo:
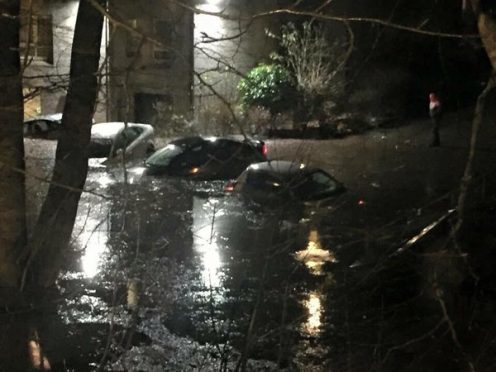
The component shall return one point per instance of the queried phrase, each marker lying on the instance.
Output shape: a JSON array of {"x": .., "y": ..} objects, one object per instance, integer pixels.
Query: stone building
[
  {"x": 150, "y": 61},
  {"x": 228, "y": 42},
  {"x": 151, "y": 53}
]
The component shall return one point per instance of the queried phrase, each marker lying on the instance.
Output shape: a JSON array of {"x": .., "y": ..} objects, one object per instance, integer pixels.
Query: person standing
[{"x": 435, "y": 111}]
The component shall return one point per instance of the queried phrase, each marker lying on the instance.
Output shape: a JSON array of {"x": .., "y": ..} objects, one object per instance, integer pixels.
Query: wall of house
[
  {"x": 150, "y": 61},
  {"x": 225, "y": 49},
  {"x": 46, "y": 81}
]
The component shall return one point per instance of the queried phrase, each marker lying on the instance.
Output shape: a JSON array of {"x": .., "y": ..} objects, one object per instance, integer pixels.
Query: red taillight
[
  {"x": 264, "y": 149},
  {"x": 230, "y": 187}
]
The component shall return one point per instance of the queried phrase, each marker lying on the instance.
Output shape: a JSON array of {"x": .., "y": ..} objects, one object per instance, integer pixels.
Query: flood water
[
  {"x": 167, "y": 275},
  {"x": 173, "y": 275}
]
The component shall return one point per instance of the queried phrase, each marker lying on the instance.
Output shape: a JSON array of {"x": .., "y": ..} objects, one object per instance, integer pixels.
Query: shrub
[{"x": 269, "y": 86}]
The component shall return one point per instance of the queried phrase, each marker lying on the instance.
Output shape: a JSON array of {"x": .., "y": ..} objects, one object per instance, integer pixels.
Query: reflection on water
[
  {"x": 314, "y": 256},
  {"x": 93, "y": 239},
  {"x": 92, "y": 225},
  {"x": 205, "y": 241},
  {"x": 36, "y": 357},
  {"x": 314, "y": 307}
]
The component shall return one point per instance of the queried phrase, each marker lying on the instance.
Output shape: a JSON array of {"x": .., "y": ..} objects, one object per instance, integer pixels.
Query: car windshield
[
  {"x": 314, "y": 185},
  {"x": 164, "y": 156}
]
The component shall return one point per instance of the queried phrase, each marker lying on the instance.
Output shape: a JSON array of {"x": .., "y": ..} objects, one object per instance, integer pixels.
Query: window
[
  {"x": 196, "y": 156},
  {"x": 36, "y": 37},
  {"x": 163, "y": 157},
  {"x": 265, "y": 182},
  {"x": 315, "y": 185},
  {"x": 126, "y": 137},
  {"x": 165, "y": 33},
  {"x": 226, "y": 150}
]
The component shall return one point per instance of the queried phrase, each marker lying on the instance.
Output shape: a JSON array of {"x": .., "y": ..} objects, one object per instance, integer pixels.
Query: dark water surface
[
  {"x": 173, "y": 275},
  {"x": 165, "y": 275}
]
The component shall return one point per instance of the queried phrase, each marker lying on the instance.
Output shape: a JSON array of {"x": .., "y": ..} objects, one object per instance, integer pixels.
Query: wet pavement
[{"x": 167, "y": 275}]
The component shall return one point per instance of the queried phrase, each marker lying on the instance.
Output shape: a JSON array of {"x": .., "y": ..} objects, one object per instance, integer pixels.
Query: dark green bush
[{"x": 268, "y": 86}]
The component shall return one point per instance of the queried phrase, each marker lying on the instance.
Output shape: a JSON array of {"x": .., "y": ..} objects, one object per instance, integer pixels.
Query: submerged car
[
  {"x": 109, "y": 140},
  {"x": 206, "y": 158},
  {"x": 46, "y": 127},
  {"x": 280, "y": 182}
]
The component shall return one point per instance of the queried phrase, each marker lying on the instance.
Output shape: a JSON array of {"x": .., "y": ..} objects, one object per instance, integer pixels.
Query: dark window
[
  {"x": 197, "y": 155},
  {"x": 36, "y": 37},
  {"x": 262, "y": 181},
  {"x": 165, "y": 34},
  {"x": 316, "y": 184},
  {"x": 226, "y": 150},
  {"x": 126, "y": 137},
  {"x": 164, "y": 156}
]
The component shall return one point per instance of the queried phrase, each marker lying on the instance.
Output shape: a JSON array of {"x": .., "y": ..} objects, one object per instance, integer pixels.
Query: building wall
[
  {"x": 46, "y": 81},
  {"x": 150, "y": 61},
  {"x": 225, "y": 49}
]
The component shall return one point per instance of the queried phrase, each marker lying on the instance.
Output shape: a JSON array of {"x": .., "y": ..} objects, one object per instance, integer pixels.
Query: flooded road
[
  {"x": 166, "y": 275},
  {"x": 211, "y": 273}
]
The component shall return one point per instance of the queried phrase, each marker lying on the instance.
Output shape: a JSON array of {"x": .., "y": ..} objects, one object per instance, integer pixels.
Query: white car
[{"x": 117, "y": 139}]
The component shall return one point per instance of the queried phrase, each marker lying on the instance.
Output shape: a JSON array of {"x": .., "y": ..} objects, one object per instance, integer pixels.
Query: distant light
[
  {"x": 194, "y": 170},
  {"x": 302, "y": 166},
  {"x": 230, "y": 186},
  {"x": 264, "y": 149},
  {"x": 361, "y": 202}
]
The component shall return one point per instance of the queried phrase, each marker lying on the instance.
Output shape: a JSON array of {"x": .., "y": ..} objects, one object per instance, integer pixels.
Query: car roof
[
  {"x": 195, "y": 140},
  {"x": 107, "y": 130},
  {"x": 51, "y": 117},
  {"x": 281, "y": 168}
]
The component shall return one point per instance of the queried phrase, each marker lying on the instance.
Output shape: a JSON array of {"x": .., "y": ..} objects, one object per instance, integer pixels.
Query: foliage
[
  {"x": 269, "y": 86},
  {"x": 313, "y": 62}
]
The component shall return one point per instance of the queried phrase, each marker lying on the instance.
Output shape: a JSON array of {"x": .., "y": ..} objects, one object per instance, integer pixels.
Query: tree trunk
[
  {"x": 53, "y": 230},
  {"x": 12, "y": 201},
  {"x": 487, "y": 31},
  {"x": 13, "y": 330}
]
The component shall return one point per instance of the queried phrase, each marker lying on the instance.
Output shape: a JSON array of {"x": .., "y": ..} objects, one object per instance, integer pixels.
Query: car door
[{"x": 229, "y": 159}]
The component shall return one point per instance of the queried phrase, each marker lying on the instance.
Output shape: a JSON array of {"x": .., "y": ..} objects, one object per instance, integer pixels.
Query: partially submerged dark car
[
  {"x": 280, "y": 182},
  {"x": 205, "y": 158}
]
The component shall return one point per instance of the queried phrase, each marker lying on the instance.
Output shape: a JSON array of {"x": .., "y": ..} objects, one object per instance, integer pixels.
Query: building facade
[
  {"x": 150, "y": 61},
  {"x": 229, "y": 42},
  {"x": 158, "y": 59}
]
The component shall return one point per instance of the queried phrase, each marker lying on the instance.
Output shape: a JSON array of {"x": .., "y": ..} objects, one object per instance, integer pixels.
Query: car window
[
  {"x": 314, "y": 185},
  {"x": 226, "y": 150},
  {"x": 263, "y": 181},
  {"x": 164, "y": 156},
  {"x": 196, "y": 155},
  {"x": 40, "y": 126},
  {"x": 126, "y": 137},
  {"x": 249, "y": 151}
]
